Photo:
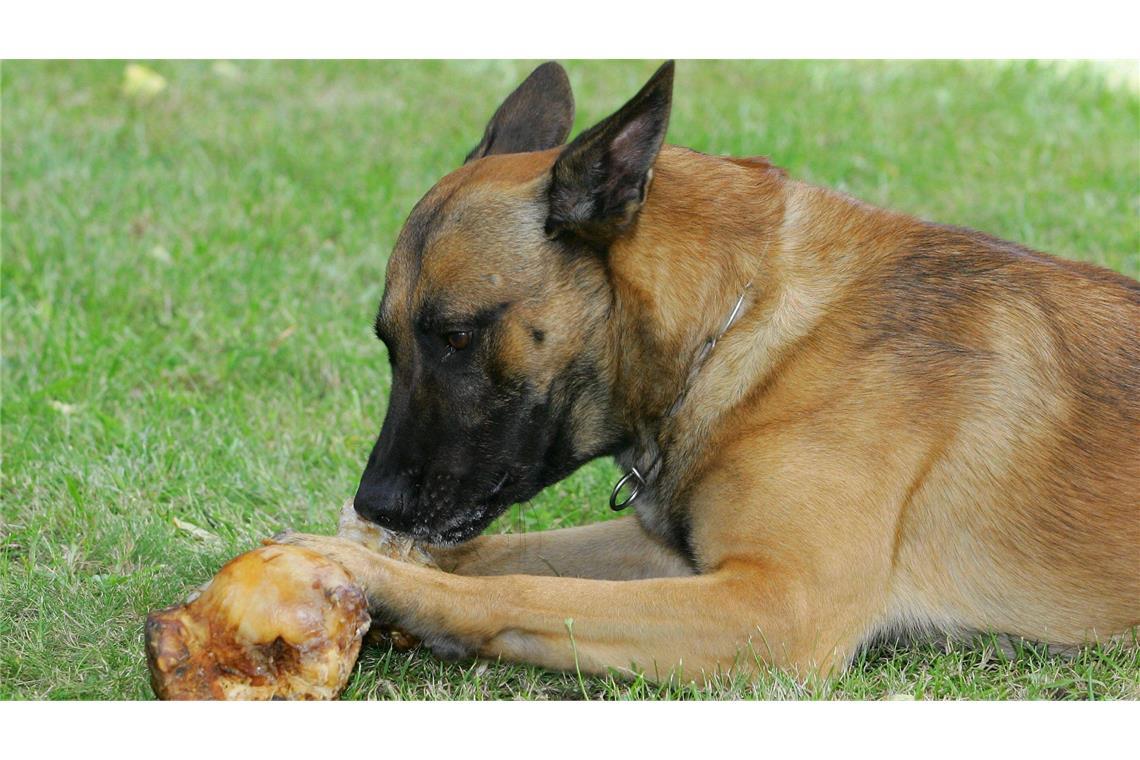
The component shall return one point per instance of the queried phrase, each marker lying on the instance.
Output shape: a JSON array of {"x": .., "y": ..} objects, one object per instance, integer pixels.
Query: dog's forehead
[{"x": 471, "y": 232}]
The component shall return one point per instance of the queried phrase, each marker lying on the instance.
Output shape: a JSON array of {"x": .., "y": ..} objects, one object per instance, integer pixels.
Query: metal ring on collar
[{"x": 617, "y": 506}]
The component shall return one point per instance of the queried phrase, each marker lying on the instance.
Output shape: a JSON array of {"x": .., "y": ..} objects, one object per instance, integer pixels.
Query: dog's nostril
[
  {"x": 364, "y": 508},
  {"x": 385, "y": 498}
]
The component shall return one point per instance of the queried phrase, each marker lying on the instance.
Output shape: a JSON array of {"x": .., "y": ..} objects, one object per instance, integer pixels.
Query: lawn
[{"x": 189, "y": 280}]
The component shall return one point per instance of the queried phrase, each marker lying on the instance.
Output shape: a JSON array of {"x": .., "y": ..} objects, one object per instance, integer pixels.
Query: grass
[{"x": 189, "y": 281}]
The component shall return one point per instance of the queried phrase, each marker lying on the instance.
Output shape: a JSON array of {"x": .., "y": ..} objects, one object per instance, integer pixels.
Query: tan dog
[{"x": 903, "y": 427}]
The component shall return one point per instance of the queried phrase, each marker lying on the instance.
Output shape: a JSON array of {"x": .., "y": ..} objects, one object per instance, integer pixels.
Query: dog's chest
[
  {"x": 661, "y": 512},
  {"x": 663, "y": 520},
  {"x": 667, "y": 524}
]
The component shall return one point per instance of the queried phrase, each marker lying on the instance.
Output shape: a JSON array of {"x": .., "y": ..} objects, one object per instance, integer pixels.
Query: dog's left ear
[
  {"x": 536, "y": 116},
  {"x": 601, "y": 179}
]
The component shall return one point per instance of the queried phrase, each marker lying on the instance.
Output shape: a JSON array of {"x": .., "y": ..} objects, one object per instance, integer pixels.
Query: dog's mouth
[
  {"x": 457, "y": 529},
  {"x": 465, "y": 524}
]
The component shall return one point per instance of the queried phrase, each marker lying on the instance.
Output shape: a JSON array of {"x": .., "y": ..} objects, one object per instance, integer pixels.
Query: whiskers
[{"x": 502, "y": 482}]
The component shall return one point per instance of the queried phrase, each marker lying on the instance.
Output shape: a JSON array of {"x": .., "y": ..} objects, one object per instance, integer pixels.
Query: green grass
[{"x": 188, "y": 286}]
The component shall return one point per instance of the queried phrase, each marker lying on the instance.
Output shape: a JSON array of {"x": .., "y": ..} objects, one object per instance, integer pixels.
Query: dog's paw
[
  {"x": 450, "y": 648},
  {"x": 361, "y": 563},
  {"x": 394, "y": 598}
]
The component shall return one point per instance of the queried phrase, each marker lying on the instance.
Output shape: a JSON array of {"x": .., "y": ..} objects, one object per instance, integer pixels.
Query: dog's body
[{"x": 909, "y": 427}]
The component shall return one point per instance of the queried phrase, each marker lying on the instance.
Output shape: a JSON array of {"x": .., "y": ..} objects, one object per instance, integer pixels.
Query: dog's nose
[{"x": 385, "y": 500}]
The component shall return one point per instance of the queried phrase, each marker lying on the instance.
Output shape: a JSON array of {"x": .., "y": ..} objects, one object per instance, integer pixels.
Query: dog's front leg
[
  {"x": 732, "y": 618},
  {"x": 612, "y": 550},
  {"x": 689, "y": 627}
]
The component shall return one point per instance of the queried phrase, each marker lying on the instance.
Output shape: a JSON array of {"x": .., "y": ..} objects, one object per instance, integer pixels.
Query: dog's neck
[
  {"x": 710, "y": 228},
  {"x": 701, "y": 238}
]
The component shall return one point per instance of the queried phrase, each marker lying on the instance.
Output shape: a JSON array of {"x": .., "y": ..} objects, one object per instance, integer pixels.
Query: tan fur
[{"x": 910, "y": 428}]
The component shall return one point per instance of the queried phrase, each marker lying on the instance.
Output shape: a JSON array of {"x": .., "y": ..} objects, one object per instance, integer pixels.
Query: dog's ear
[
  {"x": 536, "y": 116},
  {"x": 601, "y": 179}
]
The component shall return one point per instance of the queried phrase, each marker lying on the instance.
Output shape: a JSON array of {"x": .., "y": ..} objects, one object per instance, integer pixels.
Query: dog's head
[{"x": 495, "y": 312}]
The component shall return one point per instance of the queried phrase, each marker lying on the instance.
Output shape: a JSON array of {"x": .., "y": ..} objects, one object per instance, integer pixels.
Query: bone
[{"x": 278, "y": 622}]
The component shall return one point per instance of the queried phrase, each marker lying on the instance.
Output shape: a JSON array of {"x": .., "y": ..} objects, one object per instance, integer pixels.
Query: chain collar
[{"x": 635, "y": 479}]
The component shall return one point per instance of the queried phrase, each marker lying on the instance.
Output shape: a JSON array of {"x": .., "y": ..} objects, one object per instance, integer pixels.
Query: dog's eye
[{"x": 459, "y": 340}]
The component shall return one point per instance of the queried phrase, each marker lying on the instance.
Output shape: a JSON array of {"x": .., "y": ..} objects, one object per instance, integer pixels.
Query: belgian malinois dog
[{"x": 836, "y": 422}]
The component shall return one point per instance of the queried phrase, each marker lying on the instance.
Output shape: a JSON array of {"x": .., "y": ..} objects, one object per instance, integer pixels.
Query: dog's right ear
[
  {"x": 536, "y": 116},
  {"x": 600, "y": 181}
]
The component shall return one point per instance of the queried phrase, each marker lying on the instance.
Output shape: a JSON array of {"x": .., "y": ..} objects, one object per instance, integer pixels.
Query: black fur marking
[
  {"x": 680, "y": 535},
  {"x": 434, "y": 318},
  {"x": 672, "y": 527},
  {"x": 449, "y": 648},
  {"x": 470, "y": 439}
]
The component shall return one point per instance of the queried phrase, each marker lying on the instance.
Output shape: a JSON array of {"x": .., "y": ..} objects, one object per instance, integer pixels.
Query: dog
[{"x": 835, "y": 422}]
